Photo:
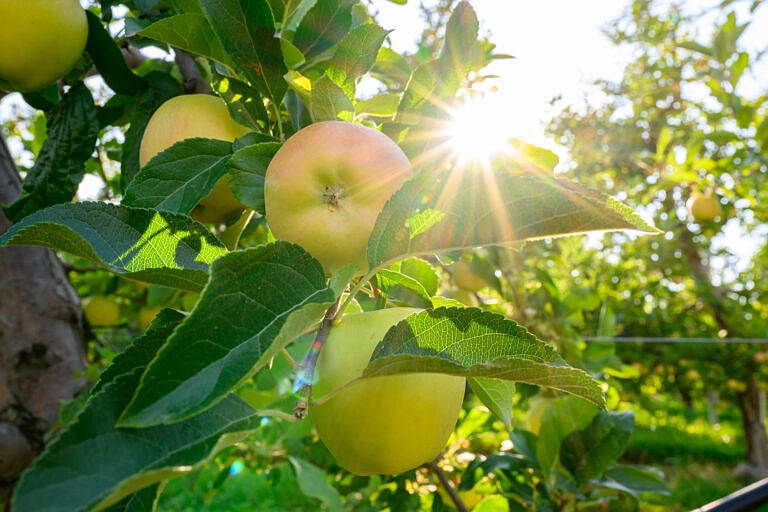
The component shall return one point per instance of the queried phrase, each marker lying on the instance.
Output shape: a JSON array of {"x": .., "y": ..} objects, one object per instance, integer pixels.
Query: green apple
[
  {"x": 466, "y": 278},
  {"x": 186, "y": 117},
  {"x": 379, "y": 425},
  {"x": 146, "y": 315},
  {"x": 41, "y": 41},
  {"x": 327, "y": 184},
  {"x": 703, "y": 207},
  {"x": 101, "y": 311}
]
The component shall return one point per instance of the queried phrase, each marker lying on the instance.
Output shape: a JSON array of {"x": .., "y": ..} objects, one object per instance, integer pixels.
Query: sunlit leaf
[
  {"x": 190, "y": 32},
  {"x": 476, "y": 343},
  {"x": 491, "y": 209},
  {"x": 498, "y": 395},
  {"x": 257, "y": 301},
  {"x": 145, "y": 245}
]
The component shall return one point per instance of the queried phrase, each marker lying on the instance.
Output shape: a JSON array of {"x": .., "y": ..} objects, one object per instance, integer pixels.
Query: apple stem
[
  {"x": 448, "y": 485},
  {"x": 306, "y": 371}
]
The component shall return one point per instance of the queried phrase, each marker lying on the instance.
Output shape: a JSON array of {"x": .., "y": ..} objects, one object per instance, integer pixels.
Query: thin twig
[
  {"x": 193, "y": 79},
  {"x": 448, "y": 485}
]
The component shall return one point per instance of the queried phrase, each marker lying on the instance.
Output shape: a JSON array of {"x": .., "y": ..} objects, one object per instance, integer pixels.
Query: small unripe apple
[
  {"x": 146, "y": 315},
  {"x": 466, "y": 278},
  {"x": 380, "y": 425},
  {"x": 41, "y": 41},
  {"x": 101, "y": 311},
  {"x": 703, "y": 207},
  {"x": 327, "y": 184},
  {"x": 186, "y": 117}
]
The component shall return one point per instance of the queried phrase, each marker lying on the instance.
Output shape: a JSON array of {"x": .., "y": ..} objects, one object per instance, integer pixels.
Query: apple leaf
[
  {"x": 475, "y": 209},
  {"x": 313, "y": 482},
  {"x": 177, "y": 178},
  {"x": 190, "y": 32},
  {"x": 93, "y": 465},
  {"x": 323, "y": 26},
  {"x": 109, "y": 60},
  {"x": 142, "y": 500},
  {"x": 356, "y": 54},
  {"x": 157, "y": 247},
  {"x": 247, "y": 169},
  {"x": 72, "y": 129},
  {"x": 246, "y": 30},
  {"x": 588, "y": 453},
  {"x": 329, "y": 102},
  {"x": 475, "y": 343},
  {"x": 256, "y": 302},
  {"x": 497, "y": 395},
  {"x": 561, "y": 416}
]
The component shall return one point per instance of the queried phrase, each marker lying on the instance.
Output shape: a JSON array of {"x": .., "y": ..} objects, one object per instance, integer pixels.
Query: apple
[
  {"x": 327, "y": 184},
  {"x": 703, "y": 207},
  {"x": 466, "y": 278},
  {"x": 186, "y": 117},
  {"x": 101, "y": 311},
  {"x": 146, "y": 315},
  {"x": 380, "y": 425},
  {"x": 41, "y": 41}
]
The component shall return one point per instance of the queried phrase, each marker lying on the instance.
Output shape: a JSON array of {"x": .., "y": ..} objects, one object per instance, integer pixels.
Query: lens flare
[{"x": 478, "y": 130}]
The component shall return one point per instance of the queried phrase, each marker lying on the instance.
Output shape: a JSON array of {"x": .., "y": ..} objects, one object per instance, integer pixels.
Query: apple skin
[
  {"x": 703, "y": 207},
  {"x": 101, "y": 311},
  {"x": 41, "y": 41},
  {"x": 466, "y": 278},
  {"x": 186, "y": 117},
  {"x": 327, "y": 184},
  {"x": 381, "y": 425}
]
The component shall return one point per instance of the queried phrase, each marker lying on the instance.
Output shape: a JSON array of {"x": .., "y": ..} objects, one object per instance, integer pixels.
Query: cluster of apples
[{"x": 323, "y": 190}]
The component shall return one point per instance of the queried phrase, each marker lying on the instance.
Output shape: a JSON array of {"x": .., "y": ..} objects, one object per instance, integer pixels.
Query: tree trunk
[
  {"x": 750, "y": 405},
  {"x": 41, "y": 342}
]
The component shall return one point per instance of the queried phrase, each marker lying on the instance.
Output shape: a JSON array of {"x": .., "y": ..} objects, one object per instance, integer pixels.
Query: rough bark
[
  {"x": 750, "y": 404},
  {"x": 41, "y": 342}
]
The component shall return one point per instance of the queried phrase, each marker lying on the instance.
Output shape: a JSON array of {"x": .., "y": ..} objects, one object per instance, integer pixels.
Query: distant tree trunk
[
  {"x": 41, "y": 342},
  {"x": 750, "y": 405}
]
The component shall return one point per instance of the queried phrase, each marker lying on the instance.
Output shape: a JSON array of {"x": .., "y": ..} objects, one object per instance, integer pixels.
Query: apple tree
[
  {"x": 685, "y": 134},
  {"x": 339, "y": 207}
]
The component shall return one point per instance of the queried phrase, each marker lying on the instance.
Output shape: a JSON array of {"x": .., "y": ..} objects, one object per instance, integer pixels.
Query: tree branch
[{"x": 193, "y": 80}]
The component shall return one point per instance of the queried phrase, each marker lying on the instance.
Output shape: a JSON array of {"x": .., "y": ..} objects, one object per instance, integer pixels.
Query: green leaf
[
  {"x": 561, "y": 416},
  {"x": 109, "y": 60},
  {"x": 247, "y": 169},
  {"x": 461, "y": 50},
  {"x": 326, "y": 23},
  {"x": 588, "y": 453},
  {"x": 313, "y": 483},
  {"x": 72, "y": 129},
  {"x": 477, "y": 209},
  {"x": 381, "y": 105},
  {"x": 390, "y": 280},
  {"x": 328, "y": 101},
  {"x": 145, "y": 245},
  {"x": 176, "y": 179},
  {"x": 636, "y": 479},
  {"x": 190, "y": 32},
  {"x": 474, "y": 343},
  {"x": 257, "y": 301},
  {"x": 357, "y": 52},
  {"x": 246, "y": 30},
  {"x": 142, "y": 500},
  {"x": 143, "y": 350},
  {"x": 92, "y": 465},
  {"x": 497, "y": 395}
]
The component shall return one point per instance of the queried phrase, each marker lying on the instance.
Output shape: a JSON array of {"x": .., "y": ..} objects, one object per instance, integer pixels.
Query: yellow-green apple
[
  {"x": 466, "y": 278},
  {"x": 101, "y": 311},
  {"x": 41, "y": 41},
  {"x": 703, "y": 207},
  {"x": 186, "y": 117},
  {"x": 327, "y": 184},
  {"x": 379, "y": 425}
]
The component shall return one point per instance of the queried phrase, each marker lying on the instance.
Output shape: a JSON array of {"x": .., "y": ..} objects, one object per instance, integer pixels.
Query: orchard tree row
[{"x": 303, "y": 234}]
